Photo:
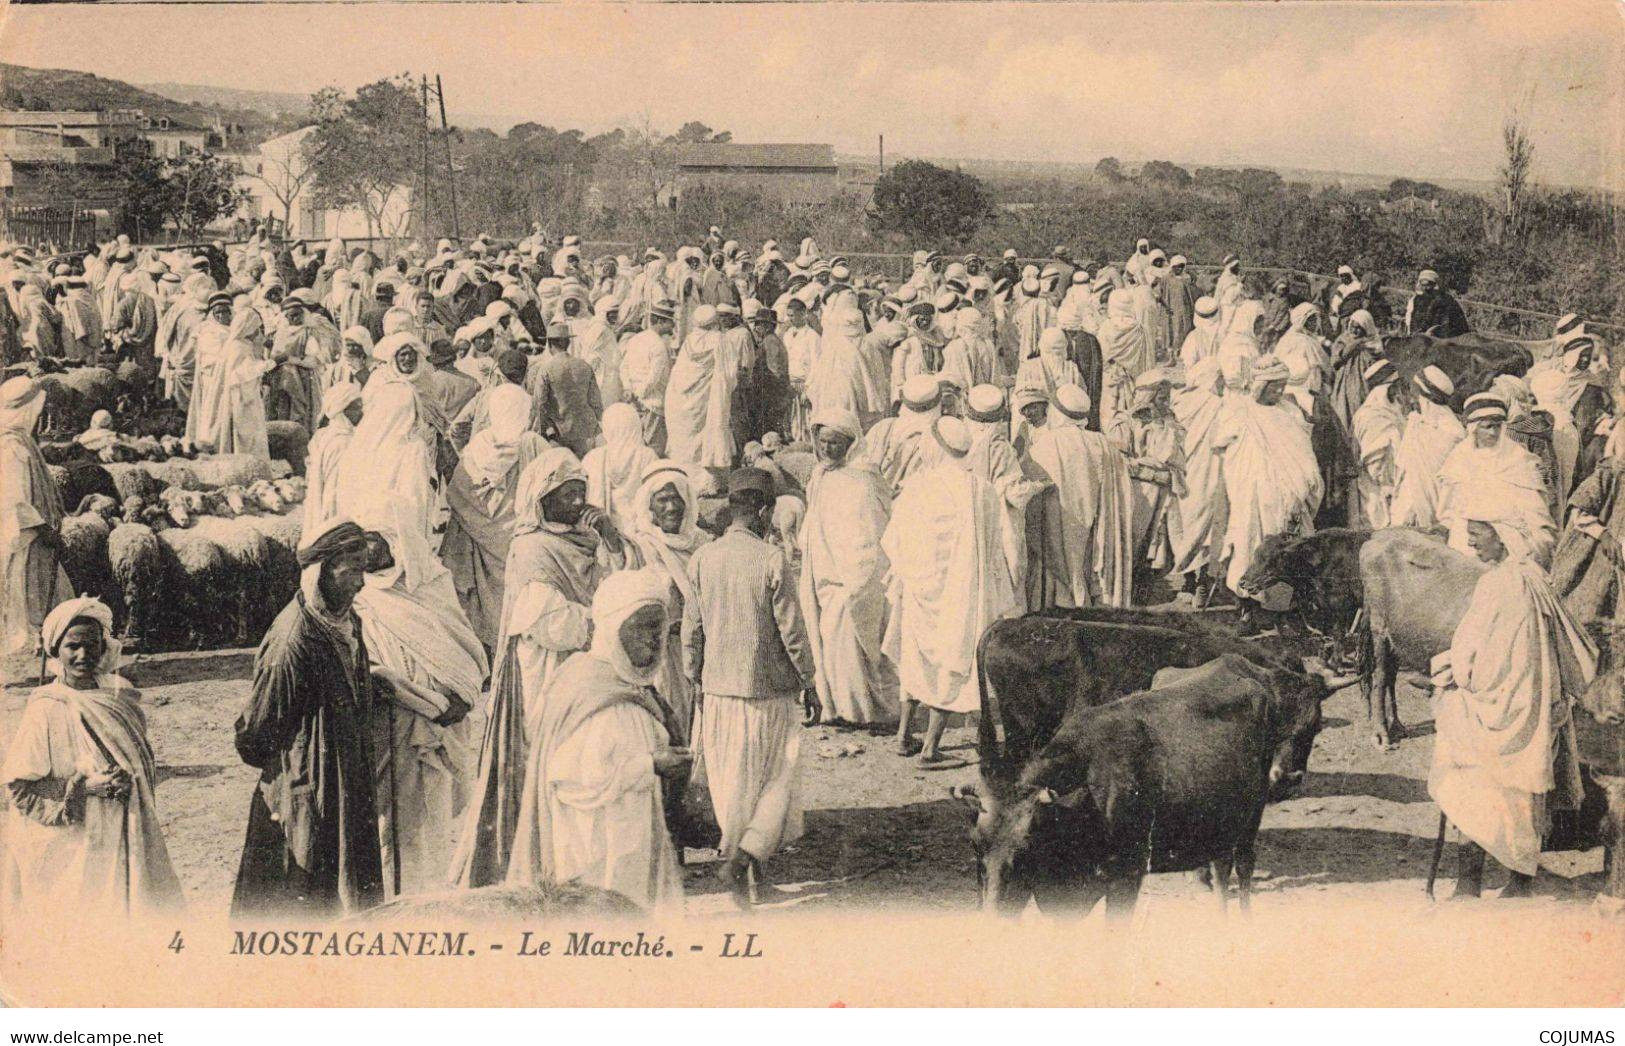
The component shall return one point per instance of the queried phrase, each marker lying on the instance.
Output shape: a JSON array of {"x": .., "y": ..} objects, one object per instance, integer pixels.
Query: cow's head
[
  {"x": 1279, "y": 567},
  {"x": 1294, "y": 723},
  {"x": 1024, "y": 837}
]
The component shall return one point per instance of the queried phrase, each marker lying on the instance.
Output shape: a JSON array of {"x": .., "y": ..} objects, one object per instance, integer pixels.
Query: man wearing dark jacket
[
  {"x": 1432, "y": 310},
  {"x": 312, "y": 845}
]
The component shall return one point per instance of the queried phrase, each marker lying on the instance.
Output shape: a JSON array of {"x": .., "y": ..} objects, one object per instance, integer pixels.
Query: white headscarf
[
  {"x": 657, "y": 477},
  {"x": 618, "y": 597},
  {"x": 21, "y": 401},
  {"x": 492, "y": 451},
  {"x": 552, "y": 469},
  {"x": 63, "y": 616}
]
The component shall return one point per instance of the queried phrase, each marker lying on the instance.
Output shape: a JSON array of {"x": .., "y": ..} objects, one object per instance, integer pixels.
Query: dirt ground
[{"x": 881, "y": 832}]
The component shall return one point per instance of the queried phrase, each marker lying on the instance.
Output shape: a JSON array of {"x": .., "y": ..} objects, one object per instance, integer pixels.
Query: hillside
[
  {"x": 268, "y": 103},
  {"x": 67, "y": 89}
]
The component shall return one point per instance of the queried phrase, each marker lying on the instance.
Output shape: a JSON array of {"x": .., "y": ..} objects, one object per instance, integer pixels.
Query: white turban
[
  {"x": 60, "y": 619},
  {"x": 387, "y": 347}
]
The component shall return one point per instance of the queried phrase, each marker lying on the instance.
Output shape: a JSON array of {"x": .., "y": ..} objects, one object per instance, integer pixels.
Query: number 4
[{"x": 175, "y": 944}]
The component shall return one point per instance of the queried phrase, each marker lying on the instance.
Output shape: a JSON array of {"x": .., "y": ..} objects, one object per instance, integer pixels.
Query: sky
[{"x": 1417, "y": 89}]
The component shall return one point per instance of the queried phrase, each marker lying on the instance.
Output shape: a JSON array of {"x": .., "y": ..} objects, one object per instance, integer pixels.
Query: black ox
[
  {"x": 1070, "y": 763},
  {"x": 1173, "y": 778}
]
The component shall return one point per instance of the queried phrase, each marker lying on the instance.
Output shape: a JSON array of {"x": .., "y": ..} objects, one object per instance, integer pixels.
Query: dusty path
[{"x": 882, "y": 832}]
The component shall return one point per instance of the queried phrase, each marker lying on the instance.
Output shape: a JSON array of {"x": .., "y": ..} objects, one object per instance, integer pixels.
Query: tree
[
  {"x": 1110, "y": 169},
  {"x": 695, "y": 132},
  {"x": 928, "y": 203},
  {"x": 1515, "y": 172},
  {"x": 365, "y": 148},
  {"x": 140, "y": 176},
  {"x": 1161, "y": 172},
  {"x": 201, "y": 189}
]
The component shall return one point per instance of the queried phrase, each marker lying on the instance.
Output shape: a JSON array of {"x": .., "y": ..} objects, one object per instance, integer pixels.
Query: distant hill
[
  {"x": 269, "y": 103},
  {"x": 22, "y": 87}
]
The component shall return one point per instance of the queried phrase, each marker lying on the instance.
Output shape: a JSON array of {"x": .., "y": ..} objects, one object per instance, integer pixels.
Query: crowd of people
[{"x": 516, "y": 654}]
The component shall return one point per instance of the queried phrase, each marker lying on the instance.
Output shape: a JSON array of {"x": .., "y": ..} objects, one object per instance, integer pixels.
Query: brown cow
[
  {"x": 1472, "y": 361},
  {"x": 1416, "y": 590}
]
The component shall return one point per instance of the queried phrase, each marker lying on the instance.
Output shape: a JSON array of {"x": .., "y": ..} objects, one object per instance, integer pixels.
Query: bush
[{"x": 929, "y": 204}]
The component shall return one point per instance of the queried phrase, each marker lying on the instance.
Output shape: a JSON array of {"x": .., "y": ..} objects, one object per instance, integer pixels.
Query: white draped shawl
[
  {"x": 1505, "y": 740},
  {"x": 1271, "y": 477},
  {"x": 1089, "y": 550}
]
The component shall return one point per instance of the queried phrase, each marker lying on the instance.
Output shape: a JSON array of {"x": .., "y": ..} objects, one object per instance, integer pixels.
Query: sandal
[
  {"x": 910, "y": 747},
  {"x": 941, "y": 762}
]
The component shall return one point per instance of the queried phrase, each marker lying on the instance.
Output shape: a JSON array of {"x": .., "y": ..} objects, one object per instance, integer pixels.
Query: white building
[{"x": 278, "y": 181}]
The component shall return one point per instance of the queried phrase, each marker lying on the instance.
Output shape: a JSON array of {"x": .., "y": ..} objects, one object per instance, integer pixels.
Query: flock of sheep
[{"x": 190, "y": 550}]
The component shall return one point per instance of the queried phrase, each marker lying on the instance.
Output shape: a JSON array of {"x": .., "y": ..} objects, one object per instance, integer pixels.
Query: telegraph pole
[
  {"x": 423, "y": 204},
  {"x": 451, "y": 172}
]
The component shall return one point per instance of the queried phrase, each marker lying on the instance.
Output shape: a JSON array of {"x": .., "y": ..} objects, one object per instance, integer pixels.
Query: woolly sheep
[
  {"x": 196, "y": 575},
  {"x": 224, "y": 470},
  {"x": 84, "y": 558},
  {"x": 79, "y": 478},
  {"x": 265, "y": 496},
  {"x": 798, "y": 464},
  {"x": 134, "y": 480},
  {"x": 137, "y": 563},
  {"x": 282, "y": 579},
  {"x": 249, "y": 559},
  {"x": 289, "y": 441}
]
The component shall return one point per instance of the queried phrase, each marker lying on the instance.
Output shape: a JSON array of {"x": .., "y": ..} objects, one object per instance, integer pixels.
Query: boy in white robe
[{"x": 82, "y": 838}]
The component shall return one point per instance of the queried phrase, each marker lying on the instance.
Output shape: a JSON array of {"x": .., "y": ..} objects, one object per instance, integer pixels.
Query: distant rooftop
[
  {"x": 756, "y": 154},
  {"x": 77, "y": 118}
]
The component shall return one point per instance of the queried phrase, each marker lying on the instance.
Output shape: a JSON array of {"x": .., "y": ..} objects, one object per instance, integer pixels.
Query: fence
[{"x": 53, "y": 227}]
